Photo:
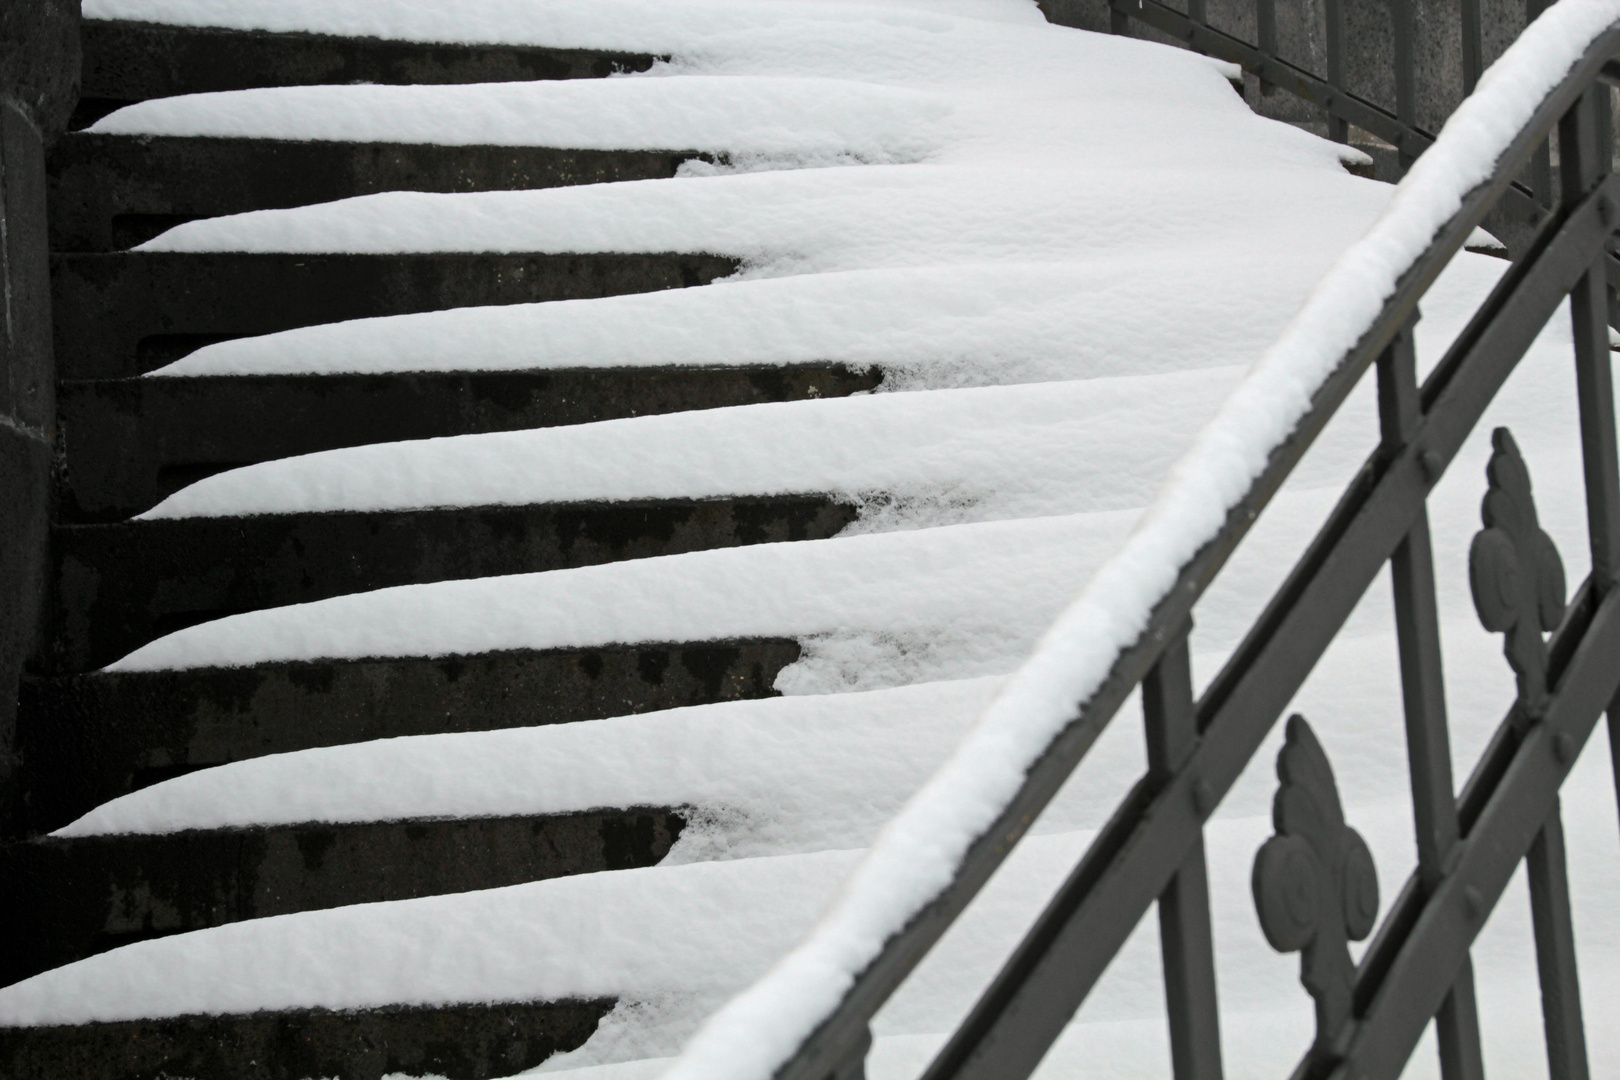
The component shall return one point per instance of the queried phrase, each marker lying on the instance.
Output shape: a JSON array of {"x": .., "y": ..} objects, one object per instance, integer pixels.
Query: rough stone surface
[
  {"x": 39, "y": 82},
  {"x": 24, "y": 471},
  {"x": 125, "y": 313},
  {"x": 128, "y": 443},
  {"x": 125, "y": 62},
  {"x": 87, "y": 895},
  {"x": 110, "y": 192},
  {"x": 39, "y": 59},
  {"x": 458, "y": 1042},
  {"x": 85, "y": 739},
  {"x": 119, "y": 586}
]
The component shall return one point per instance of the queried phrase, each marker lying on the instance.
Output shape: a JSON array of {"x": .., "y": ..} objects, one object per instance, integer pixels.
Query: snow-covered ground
[{"x": 1065, "y": 251}]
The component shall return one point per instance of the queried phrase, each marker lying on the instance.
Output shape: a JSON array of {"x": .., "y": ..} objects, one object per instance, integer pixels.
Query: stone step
[
  {"x": 126, "y": 444},
  {"x": 119, "y": 314},
  {"x": 85, "y": 739},
  {"x": 117, "y": 587},
  {"x": 126, "y": 62},
  {"x": 458, "y": 1042},
  {"x": 86, "y": 895},
  {"x": 109, "y": 192}
]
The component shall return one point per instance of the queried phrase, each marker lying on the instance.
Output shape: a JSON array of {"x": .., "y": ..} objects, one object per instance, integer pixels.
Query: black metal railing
[{"x": 1314, "y": 882}]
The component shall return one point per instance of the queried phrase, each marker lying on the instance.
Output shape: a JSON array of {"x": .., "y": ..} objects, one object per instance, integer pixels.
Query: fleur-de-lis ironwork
[
  {"x": 1514, "y": 571},
  {"x": 1314, "y": 883}
]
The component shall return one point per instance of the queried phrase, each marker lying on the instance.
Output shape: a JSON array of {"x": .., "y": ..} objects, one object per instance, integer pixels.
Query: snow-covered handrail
[{"x": 807, "y": 1019}]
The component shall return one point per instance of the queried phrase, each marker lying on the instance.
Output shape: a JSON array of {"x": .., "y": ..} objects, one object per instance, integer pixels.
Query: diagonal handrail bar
[{"x": 1138, "y": 853}]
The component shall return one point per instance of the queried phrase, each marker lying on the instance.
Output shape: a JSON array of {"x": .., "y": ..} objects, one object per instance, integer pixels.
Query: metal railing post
[
  {"x": 1586, "y": 148},
  {"x": 1428, "y": 742},
  {"x": 1473, "y": 46},
  {"x": 1403, "y": 31},
  {"x": 1119, "y": 20},
  {"x": 1265, "y": 18},
  {"x": 1585, "y": 145},
  {"x": 1541, "y": 183},
  {"x": 1555, "y": 952},
  {"x": 1186, "y": 942},
  {"x": 1338, "y": 128}
]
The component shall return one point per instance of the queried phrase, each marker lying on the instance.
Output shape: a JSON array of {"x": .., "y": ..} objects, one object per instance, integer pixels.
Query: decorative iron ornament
[
  {"x": 1515, "y": 572},
  {"x": 1314, "y": 883}
]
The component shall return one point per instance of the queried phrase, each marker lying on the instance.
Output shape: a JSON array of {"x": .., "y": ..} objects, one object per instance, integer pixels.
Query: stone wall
[{"x": 39, "y": 74}]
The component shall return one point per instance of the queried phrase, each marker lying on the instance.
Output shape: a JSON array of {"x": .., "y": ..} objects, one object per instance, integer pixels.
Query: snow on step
[
  {"x": 656, "y": 24},
  {"x": 1020, "y": 451},
  {"x": 690, "y": 931},
  {"x": 887, "y": 609},
  {"x": 809, "y": 118},
  {"x": 1058, "y": 142},
  {"x": 913, "y": 459},
  {"x": 967, "y": 323},
  {"x": 871, "y": 611},
  {"x": 819, "y": 220},
  {"x": 671, "y": 942},
  {"x": 895, "y": 608},
  {"x": 778, "y": 775},
  {"x": 769, "y": 777}
]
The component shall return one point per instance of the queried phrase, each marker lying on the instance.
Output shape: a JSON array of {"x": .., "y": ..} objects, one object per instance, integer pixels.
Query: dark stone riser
[
  {"x": 85, "y": 739},
  {"x": 87, "y": 895}
]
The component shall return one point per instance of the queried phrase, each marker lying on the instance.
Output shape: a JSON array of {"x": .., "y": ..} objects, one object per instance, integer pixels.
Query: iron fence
[{"x": 1313, "y": 881}]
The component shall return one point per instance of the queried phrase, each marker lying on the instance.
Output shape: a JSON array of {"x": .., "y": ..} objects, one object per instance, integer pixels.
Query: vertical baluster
[
  {"x": 1186, "y": 942},
  {"x": 1473, "y": 46},
  {"x": 851, "y": 1061},
  {"x": 1555, "y": 951},
  {"x": 1400, "y": 16},
  {"x": 1584, "y": 146},
  {"x": 1118, "y": 21},
  {"x": 1338, "y": 127},
  {"x": 1428, "y": 743},
  {"x": 1541, "y": 174},
  {"x": 1265, "y": 14},
  {"x": 1541, "y": 161}
]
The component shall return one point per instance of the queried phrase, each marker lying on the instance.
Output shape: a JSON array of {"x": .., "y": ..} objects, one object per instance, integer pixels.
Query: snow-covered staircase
[
  {"x": 118, "y": 584},
  {"x": 469, "y": 544}
]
